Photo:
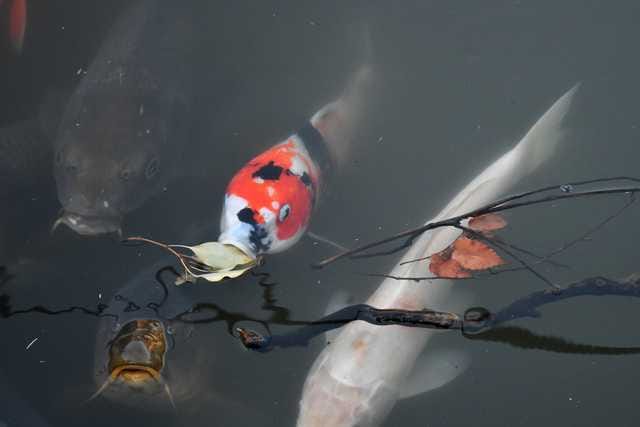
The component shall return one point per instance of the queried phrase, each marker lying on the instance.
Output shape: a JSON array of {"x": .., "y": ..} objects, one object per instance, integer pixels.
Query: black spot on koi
[{"x": 268, "y": 172}]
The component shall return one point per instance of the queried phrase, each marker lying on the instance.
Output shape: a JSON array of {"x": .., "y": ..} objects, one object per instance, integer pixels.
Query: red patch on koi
[{"x": 273, "y": 194}]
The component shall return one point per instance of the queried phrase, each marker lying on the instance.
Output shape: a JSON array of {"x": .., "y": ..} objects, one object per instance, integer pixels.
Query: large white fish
[{"x": 357, "y": 380}]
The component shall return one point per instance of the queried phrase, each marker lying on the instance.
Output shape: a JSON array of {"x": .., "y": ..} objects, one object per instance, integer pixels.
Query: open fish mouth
[
  {"x": 133, "y": 378},
  {"x": 136, "y": 358},
  {"x": 136, "y": 376},
  {"x": 87, "y": 225}
]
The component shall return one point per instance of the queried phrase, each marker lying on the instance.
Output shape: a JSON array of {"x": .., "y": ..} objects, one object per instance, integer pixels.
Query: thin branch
[
  {"x": 540, "y": 259},
  {"x": 507, "y": 203},
  {"x": 594, "y": 229}
]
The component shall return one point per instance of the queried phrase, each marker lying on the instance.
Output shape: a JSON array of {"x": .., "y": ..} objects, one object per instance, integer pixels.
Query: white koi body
[{"x": 357, "y": 379}]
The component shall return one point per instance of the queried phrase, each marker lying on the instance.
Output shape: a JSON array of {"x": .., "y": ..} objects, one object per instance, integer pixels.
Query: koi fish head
[
  {"x": 136, "y": 361},
  {"x": 269, "y": 202}
]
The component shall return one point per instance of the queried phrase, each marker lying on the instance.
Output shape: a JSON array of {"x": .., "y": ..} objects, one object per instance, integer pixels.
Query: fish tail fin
[
  {"x": 339, "y": 120},
  {"x": 540, "y": 142}
]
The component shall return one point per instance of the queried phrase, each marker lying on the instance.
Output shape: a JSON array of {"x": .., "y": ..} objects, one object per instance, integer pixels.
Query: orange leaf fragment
[
  {"x": 487, "y": 222},
  {"x": 436, "y": 260},
  {"x": 475, "y": 255},
  {"x": 443, "y": 266}
]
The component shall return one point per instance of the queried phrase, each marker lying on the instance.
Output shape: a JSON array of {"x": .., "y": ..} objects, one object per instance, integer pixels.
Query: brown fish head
[
  {"x": 136, "y": 358},
  {"x": 111, "y": 156}
]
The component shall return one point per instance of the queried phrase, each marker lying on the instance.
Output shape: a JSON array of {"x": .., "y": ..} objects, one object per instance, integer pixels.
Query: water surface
[{"x": 459, "y": 83}]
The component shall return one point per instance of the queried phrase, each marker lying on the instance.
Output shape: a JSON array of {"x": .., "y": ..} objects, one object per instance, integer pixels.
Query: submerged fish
[
  {"x": 132, "y": 343},
  {"x": 143, "y": 358},
  {"x": 357, "y": 380},
  {"x": 17, "y": 22},
  {"x": 124, "y": 126},
  {"x": 269, "y": 202}
]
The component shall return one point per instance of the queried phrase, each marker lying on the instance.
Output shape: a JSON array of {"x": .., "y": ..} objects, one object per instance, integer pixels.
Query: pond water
[{"x": 456, "y": 85}]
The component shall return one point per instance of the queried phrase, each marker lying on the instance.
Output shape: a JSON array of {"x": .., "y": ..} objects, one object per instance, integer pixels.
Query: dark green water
[{"x": 458, "y": 84}]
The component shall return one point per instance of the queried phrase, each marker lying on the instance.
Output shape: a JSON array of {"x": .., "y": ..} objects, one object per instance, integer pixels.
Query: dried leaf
[
  {"x": 474, "y": 255},
  {"x": 435, "y": 261},
  {"x": 443, "y": 266},
  {"x": 217, "y": 276},
  {"x": 487, "y": 222},
  {"x": 219, "y": 256},
  {"x": 212, "y": 261},
  {"x": 224, "y": 261}
]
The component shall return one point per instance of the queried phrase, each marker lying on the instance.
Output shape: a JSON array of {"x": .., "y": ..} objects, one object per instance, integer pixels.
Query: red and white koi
[{"x": 269, "y": 202}]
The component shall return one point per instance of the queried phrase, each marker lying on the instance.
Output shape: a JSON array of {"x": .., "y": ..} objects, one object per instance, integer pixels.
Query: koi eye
[{"x": 285, "y": 210}]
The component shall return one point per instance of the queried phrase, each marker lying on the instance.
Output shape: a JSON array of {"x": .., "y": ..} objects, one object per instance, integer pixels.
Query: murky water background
[{"x": 459, "y": 83}]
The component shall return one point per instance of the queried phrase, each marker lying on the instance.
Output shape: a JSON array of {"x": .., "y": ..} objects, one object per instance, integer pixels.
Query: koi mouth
[
  {"x": 87, "y": 225},
  {"x": 136, "y": 377},
  {"x": 136, "y": 358}
]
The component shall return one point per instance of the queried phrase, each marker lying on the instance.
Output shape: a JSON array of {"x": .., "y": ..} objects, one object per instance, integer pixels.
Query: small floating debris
[
  {"x": 251, "y": 339},
  {"x": 566, "y": 188},
  {"x": 33, "y": 341}
]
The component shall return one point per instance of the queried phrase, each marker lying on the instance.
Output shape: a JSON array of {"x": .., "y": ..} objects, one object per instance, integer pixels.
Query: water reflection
[
  {"x": 146, "y": 355},
  {"x": 456, "y": 87}
]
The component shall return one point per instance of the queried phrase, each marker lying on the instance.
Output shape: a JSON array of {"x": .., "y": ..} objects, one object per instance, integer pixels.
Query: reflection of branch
[
  {"x": 428, "y": 319},
  {"x": 593, "y": 286},
  {"x": 507, "y": 203},
  {"x": 525, "y": 339},
  {"x": 6, "y": 311},
  {"x": 477, "y": 323}
]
